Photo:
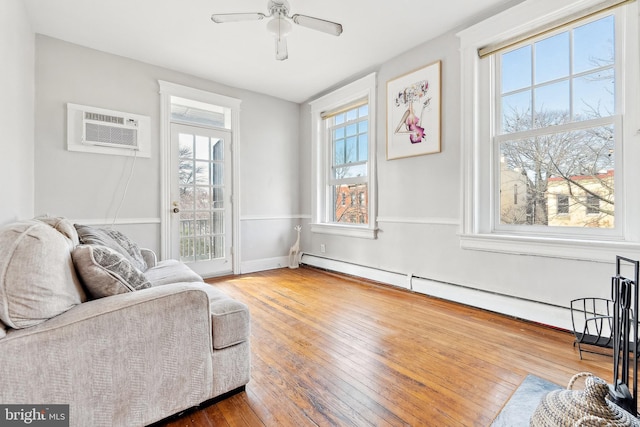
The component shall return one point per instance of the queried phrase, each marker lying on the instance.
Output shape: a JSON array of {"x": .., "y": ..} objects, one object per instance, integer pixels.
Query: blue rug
[{"x": 523, "y": 402}]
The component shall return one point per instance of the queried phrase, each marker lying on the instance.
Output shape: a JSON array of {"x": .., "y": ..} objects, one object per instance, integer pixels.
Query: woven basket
[{"x": 588, "y": 407}]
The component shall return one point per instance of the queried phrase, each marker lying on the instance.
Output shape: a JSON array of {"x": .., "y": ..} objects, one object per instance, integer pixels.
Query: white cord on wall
[{"x": 126, "y": 187}]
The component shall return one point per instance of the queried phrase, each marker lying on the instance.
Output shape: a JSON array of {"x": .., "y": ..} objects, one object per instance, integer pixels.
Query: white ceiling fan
[{"x": 280, "y": 26}]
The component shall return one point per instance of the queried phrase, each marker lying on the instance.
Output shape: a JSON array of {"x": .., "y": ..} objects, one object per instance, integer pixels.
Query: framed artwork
[{"x": 413, "y": 113}]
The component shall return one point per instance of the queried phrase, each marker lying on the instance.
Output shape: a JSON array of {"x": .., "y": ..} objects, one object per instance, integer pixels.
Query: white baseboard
[
  {"x": 534, "y": 311},
  {"x": 263, "y": 264}
]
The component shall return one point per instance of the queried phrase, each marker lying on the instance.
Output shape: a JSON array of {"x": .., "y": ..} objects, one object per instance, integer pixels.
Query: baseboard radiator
[{"x": 535, "y": 311}]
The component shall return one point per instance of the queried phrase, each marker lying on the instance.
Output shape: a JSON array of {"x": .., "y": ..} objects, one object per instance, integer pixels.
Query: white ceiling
[{"x": 179, "y": 34}]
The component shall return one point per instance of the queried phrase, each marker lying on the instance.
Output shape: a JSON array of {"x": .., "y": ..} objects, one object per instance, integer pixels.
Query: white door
[{"x": 201, "y": 229}]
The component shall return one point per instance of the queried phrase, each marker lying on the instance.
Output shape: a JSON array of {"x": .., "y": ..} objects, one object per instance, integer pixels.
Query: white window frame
[
  {"x": 479, "y": 231},
  {"x": 365, "y": 87}
]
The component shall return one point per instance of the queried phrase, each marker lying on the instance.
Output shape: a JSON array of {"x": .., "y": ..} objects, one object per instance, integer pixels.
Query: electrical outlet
[{"x": 323, "y": 248}]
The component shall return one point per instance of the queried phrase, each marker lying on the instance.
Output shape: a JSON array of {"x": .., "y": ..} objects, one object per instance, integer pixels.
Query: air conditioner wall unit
[
  {"x": 110, "y": 130},
  {"x": 98, "y": 130}
]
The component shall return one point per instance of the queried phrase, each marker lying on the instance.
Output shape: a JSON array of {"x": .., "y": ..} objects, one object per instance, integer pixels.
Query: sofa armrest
[
  {"x": 149, "y": 257},
  {"x": 137, "y": 350}
]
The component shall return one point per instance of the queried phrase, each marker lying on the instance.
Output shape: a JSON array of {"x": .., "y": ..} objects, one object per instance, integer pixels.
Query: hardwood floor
[{"x": 329, "y": 350}]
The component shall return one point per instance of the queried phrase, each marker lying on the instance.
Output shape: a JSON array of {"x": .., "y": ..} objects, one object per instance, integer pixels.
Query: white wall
[
  {"x": 419, "y": 215},
  {"x": 16, "y": 113},
  {"x": 85, "y": 186}
]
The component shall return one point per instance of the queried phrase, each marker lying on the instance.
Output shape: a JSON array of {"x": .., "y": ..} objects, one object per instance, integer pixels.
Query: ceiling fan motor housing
[{"x": 278, "y": 7}]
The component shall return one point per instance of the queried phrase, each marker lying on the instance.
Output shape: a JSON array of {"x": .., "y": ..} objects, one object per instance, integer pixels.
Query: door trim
[{"x": 167, "y": 90}]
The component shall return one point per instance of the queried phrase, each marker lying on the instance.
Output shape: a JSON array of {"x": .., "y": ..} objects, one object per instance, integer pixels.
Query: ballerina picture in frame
[{"x": 413, "y": 113}]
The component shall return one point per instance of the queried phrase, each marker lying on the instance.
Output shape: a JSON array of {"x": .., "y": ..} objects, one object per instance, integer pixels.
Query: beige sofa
[{"x": 121, "y": 346}]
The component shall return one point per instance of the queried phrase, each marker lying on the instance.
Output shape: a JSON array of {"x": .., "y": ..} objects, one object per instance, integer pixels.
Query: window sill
[
  {"x": 362, "y": 232},
  {"x": 573, "y": 249}
]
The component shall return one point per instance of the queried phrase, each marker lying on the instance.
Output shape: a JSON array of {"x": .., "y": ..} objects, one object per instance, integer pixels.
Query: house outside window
[
  {"x": 544, "y": 111},
  {"x": 344, "y": 160}
]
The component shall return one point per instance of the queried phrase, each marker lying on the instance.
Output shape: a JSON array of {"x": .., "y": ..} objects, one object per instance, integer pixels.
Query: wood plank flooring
[{"x": 329, "y": 350}]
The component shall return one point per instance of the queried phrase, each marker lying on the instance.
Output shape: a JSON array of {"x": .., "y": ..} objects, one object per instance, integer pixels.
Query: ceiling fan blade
[
  {"x": 221, "y": 18},
  {"x": 318, "y": 24},
  {"x": 281, "y": 48}
]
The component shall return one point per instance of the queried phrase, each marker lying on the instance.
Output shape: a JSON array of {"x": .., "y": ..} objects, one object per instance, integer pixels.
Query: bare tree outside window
[{"x": 557, "y": 129}]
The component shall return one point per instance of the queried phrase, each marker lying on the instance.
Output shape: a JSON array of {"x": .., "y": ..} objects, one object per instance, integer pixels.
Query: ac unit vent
[
  {"x": 110, "y": 130},
  {"x": 103, "y": 118},
  {"x": 114, "y": 136}
]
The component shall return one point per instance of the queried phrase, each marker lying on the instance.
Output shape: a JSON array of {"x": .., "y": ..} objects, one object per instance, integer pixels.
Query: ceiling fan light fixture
[
  {"x": 279, "y": 26},
  {"x": 282, "y": 52}
]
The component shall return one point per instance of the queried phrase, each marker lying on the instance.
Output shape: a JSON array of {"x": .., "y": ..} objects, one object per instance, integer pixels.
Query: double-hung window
[
  {"x": 343, "y": 160},
  {"x": 348, "y": 132},
  {"x": 550, "y": 94},
  {"x": 557, "y": 126}
]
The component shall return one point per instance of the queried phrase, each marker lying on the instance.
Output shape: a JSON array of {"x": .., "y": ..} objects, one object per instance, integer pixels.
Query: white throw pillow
[{"x": 37, "y": 278}]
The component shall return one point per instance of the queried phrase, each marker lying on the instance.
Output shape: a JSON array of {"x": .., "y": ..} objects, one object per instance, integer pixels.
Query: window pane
[
  {"x": 202, "y": 173},
  {"x": 218, "y": 246},
  {"x": 352, "y": 171},
  {"x": 593, "y": 95},
  {"x": 217, "y": 218},
  {"x": 363, "y": 148},
  {"x": 218, "y": 150},
  {"x": 552, "y": 104},
  {"x": 202, "y": 248},
  {"x": 202, "y": 148},
  {"x": 355, "y": 210},
  {"x": 339, "y": 152},
  {"x": 552, "y": 58},
  {"x": 186, "y": 173},
  {"x": 217, "y": 175},
  {"x": 562, "y": 204},
  {"x": 516, "y": 112},
  {"x": 352, "y": 114},
  {"x": 186, "y": 198},
  {"x": 339, "y": 119},
  {"x": 203, "y": 198},
  {"x": 352, "y": 149},
  {"x": 352, "y": 129},
  {"x": 185, "y": 146},
  {"x": 363, "y": 111},
  {"x": 579, "y": 163},
  {"x": 203, "y": 226},
  {"x": 338, "y": 133},
  {"x": 217, "y": 198},
  {"x": 516, "y": 69},
  {"x": 593, "y": 45}
]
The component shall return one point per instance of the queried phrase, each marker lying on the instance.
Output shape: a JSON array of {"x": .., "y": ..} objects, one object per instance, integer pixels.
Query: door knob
[{"x": 176, "y": 210}]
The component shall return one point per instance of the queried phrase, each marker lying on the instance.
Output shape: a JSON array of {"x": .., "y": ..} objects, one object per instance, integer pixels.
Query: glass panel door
[{"x": 201, "y": 198}]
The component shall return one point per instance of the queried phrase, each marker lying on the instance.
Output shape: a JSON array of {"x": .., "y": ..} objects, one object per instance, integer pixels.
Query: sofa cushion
[
  {"x": 64, "y": 226},
  {"x": 171, "y": 271},
  {"x": 114, "y": 240},
  {"x": 106, "y": 272},
  {"x": 230, "y": 319},
  {"x": 37, "y": 278},
  {"x": 230, "y": 323}
]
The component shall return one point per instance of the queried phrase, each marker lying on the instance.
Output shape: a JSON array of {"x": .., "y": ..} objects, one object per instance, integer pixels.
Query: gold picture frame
[{"x": 413, "y": 113}]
